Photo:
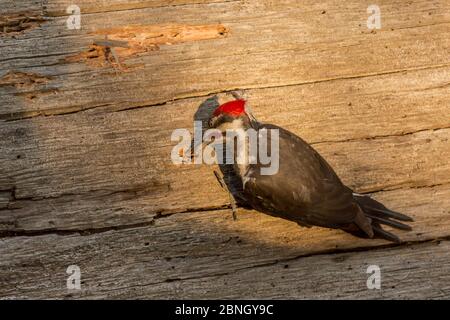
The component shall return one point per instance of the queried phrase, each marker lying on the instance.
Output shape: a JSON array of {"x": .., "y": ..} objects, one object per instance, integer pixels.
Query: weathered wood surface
[
  {"x": 301, "y": 43},
  {"x": 86, "y": 176},
  {"x": 207, "y": 255}
]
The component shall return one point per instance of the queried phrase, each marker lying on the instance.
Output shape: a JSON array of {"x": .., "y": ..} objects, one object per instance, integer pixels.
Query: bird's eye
[{"x": 210, "y": 123}]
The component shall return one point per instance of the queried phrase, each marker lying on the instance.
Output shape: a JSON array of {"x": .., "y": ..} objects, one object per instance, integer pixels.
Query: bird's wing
[{"x": 305, "y": 188}]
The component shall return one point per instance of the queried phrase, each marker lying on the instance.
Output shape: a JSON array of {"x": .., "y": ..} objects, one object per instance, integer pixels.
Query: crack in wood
[
  {"x": 408, "y": 133},
  {"x": 18, "y": 116},
  {"x": 89, "y": 231},
  {"x": 67, "y": 232},
  {"x": 402, "y": 187},
  {"x": 160, "y": 214},
  {"x": 141, "y": 5},
  {"x": 56, "y": 112},
  {"x": 331, "y": 252},
  {"x": 328, "y": 252},
  {"x": 134, "y": 191}
]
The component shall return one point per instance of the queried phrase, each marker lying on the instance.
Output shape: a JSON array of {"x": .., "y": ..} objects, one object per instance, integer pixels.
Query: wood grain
[
  {"x": 175, "y": 258},
  {"x": 289, "y": 43},
  {"x": 85, "y": 170},
  {"x": 46, "y": 160}
]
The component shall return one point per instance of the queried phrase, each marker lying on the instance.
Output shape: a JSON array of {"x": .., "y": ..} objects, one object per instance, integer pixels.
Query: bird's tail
[{"x": 379, "y": 215}]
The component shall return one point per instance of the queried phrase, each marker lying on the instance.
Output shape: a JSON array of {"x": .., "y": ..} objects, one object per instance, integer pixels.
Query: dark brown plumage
[{"x": 308, "y": 191}]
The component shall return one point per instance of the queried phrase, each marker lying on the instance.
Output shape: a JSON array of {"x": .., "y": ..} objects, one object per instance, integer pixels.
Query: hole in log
[
  {"x": 23, "y": 80},
  {"x": 14, "y": 24},
  {"x": 113, "y": 46},
  {"x": 28, "y": 85}
]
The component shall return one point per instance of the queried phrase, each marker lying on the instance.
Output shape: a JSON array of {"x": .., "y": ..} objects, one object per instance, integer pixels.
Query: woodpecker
[{"x": 305, "y": 189}]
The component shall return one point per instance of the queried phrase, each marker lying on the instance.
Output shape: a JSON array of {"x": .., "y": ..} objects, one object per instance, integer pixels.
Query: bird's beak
[{"x": 199, "y": 148}]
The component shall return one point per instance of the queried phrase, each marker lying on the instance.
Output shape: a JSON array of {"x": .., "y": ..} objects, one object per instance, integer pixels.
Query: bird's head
[{"x": 230, "y": 115}]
